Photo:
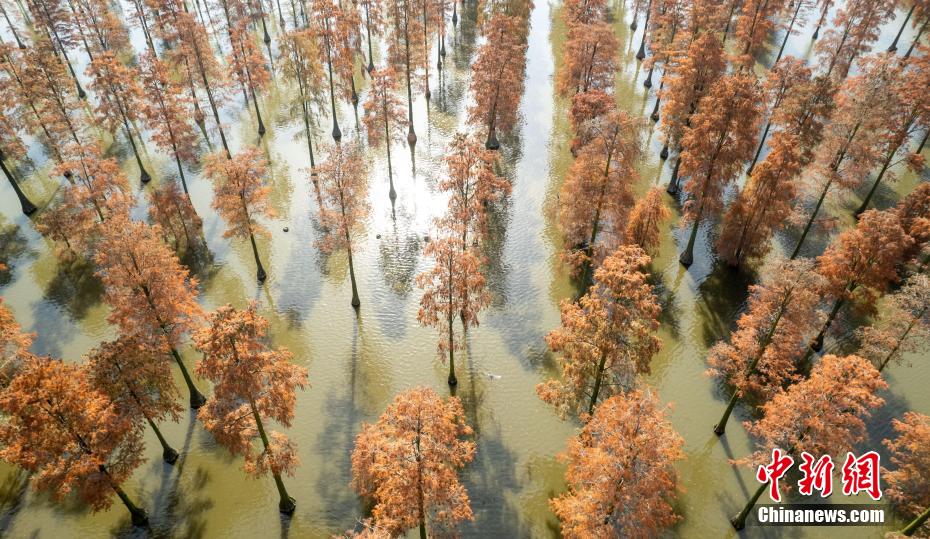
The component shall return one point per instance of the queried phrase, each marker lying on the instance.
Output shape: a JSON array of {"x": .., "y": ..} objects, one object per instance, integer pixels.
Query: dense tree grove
[{"x": 799, "y": 182}]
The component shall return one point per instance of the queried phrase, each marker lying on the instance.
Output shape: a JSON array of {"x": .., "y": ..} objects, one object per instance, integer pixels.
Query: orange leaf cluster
[
  {"x": 907, "y": 486},
  {"x": 621, "y": 471},
  {"x": 764, "y": 350},
  {"x": 251, "y": 383},
  {"x": 607, "y": 337},
  {"x": 407, "y": 464}
]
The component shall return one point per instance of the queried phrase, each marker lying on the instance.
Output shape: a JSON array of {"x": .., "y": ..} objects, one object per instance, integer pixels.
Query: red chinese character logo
[
  {"x": 771, "y": 473},
  {"x": 818, "y": 474},
  {"x": 862, "y": 474}
]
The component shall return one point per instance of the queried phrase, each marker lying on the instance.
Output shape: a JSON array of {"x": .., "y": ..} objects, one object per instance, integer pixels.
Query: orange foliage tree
[
  {"x": 903, "y": 326},
  {"x": 621, "y": 471},
  {"x": 151, "y": 296},
  {"x": 762, "y": 354},
  {"x": 498, "y": 74},
  {"x": 251, "y": 383},
  {"x": 384, "y": 117},
  {"x": 860, "y": 264},
  {"x": 454, "y": 286},
  {"x": 298, "y": 60},
  {"x": 325, "y": 29},
  {"x": 403, "y": 48},
  {"x": 174, "y": 213},
  {"x": 43, "y": 78},
  {"x": 14, "y": 345},
  {"x": 248, "y": 64},
  {"x": 69, "y": 436},
  {"x": 473, "y": 186},
  {"x": 908, "y": 110},
  {"x": 192, "y": 56},
  {"x": 754, "y": 24},
  {"x": 607, "y": 337},
  {"x": 597, "y": 193},
  {"x": 784, "y": 79},
  {"x": 119, "y": 99},
  {"x": 690, "y": 72},
  {"x": 914, "y": 213},
  {"x": 907, "y": 486},
  {"x": 851, "y": 137},
  {"x": 240, "y": 195},
  {"x": 646, "y": 218},
  {"x": 822, "y": 415},
  {"x": 721, "y": 137},
  {"x": 12, "y": 149},
  {"x": 589, "y": 59},
  {"x": 344, "y": 179},
  {"x": 856, "y": 26},
  {"x": 132, "y": 373},
  {"x": 96, "y": 194},
  {"x": 408, "y": 462},
  {"x": 167, "y": 114}
]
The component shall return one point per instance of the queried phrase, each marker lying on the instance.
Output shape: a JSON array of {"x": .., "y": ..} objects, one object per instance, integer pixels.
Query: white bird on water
[{"x": 492, "y": 376}]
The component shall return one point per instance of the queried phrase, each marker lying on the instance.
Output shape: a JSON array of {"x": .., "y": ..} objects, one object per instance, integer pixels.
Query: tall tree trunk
[
  {"x": 917, "y": 37},
  {"x": 260, "y": 270},
  {"x": 168, "y": 453},
  {"x": 765, "y": 133},
  {"x": 739, "y": 521},
  {"x": 915, "y": 524},
  {"x": 598, "y": 376},
  {"x": 894, "y": 44},
  {"x": 143, "y": 174},
  {"x": 286, "y": 503},
  {"x": 139, "y": 518},
  {"x": 411, "y": 134},
  {"x": 781, "y": 50},
  {"x": 196, "y": 397},
  {"x": 27, "y": 206},
  {"x": 810, "y": 222},
  {"x": 642, "y": 44}
]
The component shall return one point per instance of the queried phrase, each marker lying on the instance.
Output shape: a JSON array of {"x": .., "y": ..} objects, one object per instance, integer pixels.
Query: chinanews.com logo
[{"x": 858, "y": 474}]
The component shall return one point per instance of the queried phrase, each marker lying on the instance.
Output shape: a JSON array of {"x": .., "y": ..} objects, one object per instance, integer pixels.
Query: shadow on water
[
  {"x": 12, "y": 246},
  {"x": 723, "y": 295},
  {"x": 342, "y": 415},
  {"x": 492, "y": 470},
  {"x": 13, "y": 490}
]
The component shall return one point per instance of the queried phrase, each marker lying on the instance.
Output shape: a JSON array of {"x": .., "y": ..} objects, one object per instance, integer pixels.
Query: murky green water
[{"x": 358, "y": 363}]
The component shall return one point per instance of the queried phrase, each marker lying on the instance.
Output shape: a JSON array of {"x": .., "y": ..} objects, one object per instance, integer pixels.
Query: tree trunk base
[
  {"x": 261, "y": 275},
  {"x": 663, "y": 155},
  {"x": 453, "y": 381},
  {"x": 144, "y": 175},
  {"x": 287, "y": 506},
  {"x": 686, "y": 258},
  {"x": 197, "y": 399},
  {"x": 169, "y": 455}
]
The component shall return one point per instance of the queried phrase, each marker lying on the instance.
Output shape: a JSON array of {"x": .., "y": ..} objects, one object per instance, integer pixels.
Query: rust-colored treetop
[
  {"x": 149, "y": 293},
  {"x": 822, "y": 414},
  {"x": 385, "y": 115},
  {"x": 67, "y": 434},
  {"x": 136, "y": 377},
  {"x": 862, "y": 261},
  {"x": 473, "y": 186},
  {"x": 771, "y": 336},
  {"x": 718, "y": 142},
  {"x": 343, "y": 181},
  {"x": 498, "y": 73},
  {"x": 408, "y": 462},
  {"x": 903, "y": 327},
  {"x": 14, "y": 345},
  {"x": 607, "y": 337},
  {"x": 621, "y": 471},
  {"x": 251, "y": 382},
  {"x": 590, "y": 59},
  {"x": 240, "y": 194},
  {"x": 906, "y": 477}
]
